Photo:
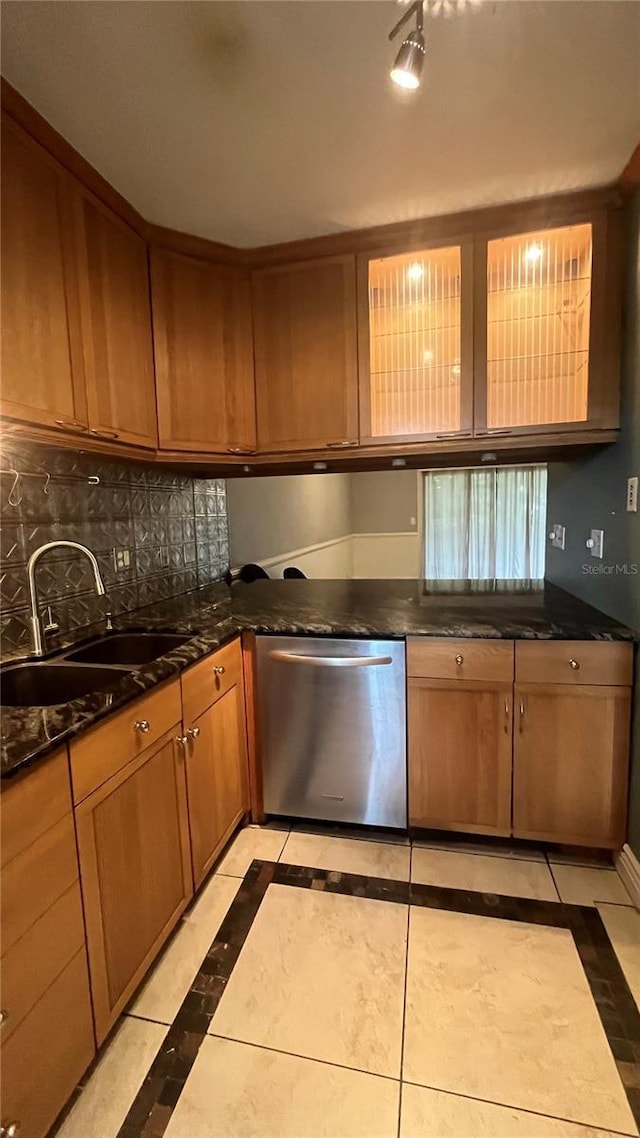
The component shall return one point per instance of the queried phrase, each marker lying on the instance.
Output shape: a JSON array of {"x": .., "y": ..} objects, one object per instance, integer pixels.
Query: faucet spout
[{"x": 36, "y": 625}]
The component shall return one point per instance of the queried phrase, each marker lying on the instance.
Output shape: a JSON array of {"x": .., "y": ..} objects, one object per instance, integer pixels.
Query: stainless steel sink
[
  {"x": 132, "y": 648},
  {"x": 43, "y": 685}
]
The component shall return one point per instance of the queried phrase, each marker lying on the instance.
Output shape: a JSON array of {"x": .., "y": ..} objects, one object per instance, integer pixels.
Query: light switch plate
[
  {"x": 632, "y": 495},
  {"x": 597, "y": 538},
  {"x": 557, "y": 536}
]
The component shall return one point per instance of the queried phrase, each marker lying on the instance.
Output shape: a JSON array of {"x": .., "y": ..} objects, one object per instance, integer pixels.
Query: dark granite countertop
[{"x": 506, "y": 610}]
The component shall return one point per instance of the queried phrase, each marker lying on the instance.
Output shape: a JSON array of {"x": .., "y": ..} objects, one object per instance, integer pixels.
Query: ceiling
[{"x": 258, "y": 122}]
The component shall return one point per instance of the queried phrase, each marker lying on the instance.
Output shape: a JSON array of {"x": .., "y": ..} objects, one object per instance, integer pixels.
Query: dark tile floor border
[{"x": 159, "y": 1093}]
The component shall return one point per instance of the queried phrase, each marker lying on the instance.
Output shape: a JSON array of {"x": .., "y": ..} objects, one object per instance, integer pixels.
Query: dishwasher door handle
[{"x": 330, "y": 661}]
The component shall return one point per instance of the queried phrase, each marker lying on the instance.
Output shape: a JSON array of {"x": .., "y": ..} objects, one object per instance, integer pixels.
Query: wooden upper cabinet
[
  {"x": 305, "y": 355},
  {"x": 546, "y": 345},
  {"x": 416, "y": 344},
  {"x": 40, "y": 382},
  {"x": 203, "y": 341},
  {"x": 115, "y": 316}
]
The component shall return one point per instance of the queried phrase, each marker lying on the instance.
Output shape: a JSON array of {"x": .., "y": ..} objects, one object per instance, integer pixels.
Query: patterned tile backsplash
[{"x": 174, "y": 528}]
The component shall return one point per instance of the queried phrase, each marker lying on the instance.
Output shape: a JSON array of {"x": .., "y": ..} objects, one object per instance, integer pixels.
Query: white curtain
[{"x": 485, "y": 523}]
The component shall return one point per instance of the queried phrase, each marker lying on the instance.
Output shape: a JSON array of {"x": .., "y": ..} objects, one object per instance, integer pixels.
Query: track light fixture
[{"x": 407, "y": 68}]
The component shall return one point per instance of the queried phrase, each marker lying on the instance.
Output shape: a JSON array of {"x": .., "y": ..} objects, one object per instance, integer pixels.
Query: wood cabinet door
[
  {"x": 415, "y": 343},
  {"x": 571, "y": 753},
  {"x": 42, "y": 380},
  {"x": 460, "y": 746},
  {"x": 305, "y": 355},
  {"x": 115, "y": 315},
  {"x": 203, "y": 339},
  {"x": 133, "y": 840},
  {"x": 547, "y": 328},
  {"x": 217, "y": 777}
]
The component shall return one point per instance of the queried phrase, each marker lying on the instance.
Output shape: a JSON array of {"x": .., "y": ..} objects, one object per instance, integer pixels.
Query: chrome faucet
[{"x": 36, "y": 626}]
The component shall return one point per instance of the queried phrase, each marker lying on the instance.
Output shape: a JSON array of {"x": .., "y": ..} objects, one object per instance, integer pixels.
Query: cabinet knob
[
  {"x": 3, "y": 1017},
  {"x": 142, "y": 725},
  {"x": 459, "y": 660},
  {"x": 193, "y": 732},
  {"x": 575, "y": 665},
  {"x": 182, "y": 740},
  {"x": 219, "y": 669},
  {"x": 11, "y": 1130}
]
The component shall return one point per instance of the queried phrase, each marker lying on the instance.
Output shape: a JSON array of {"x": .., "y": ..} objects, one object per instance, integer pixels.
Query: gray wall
[
  {"x": 271, "y": 516},
  {"x": 590, "y": 493},
  {"x": 384, "y": 501}
]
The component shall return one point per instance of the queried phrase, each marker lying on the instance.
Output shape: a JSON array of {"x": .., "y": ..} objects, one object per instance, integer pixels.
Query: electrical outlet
[
  {"x": 121, "y": 559},
  {"x": 556, "y": 537},
  {"x": 632, "y": 495},
  {"x": 595, "y": 543}
]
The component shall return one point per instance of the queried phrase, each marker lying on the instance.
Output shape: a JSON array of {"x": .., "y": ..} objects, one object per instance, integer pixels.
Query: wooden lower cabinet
[
  {"x": 47, "y": 1025},
  {"x": 460, "y": 735},
  {"x": 217, "y": 772},
  {"x": 48, "y": 1053},
  {"x": 133, "y": 840},
  {"x": 571, "y": 752}
]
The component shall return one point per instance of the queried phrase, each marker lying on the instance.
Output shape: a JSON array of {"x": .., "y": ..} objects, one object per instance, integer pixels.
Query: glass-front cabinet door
[
  {"x": 538, "y": 363},
  {"x": 416, "y": 344}
]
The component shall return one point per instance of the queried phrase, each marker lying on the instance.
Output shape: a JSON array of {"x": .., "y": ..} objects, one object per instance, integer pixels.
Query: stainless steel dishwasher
[{"x": 332, "y": 725}]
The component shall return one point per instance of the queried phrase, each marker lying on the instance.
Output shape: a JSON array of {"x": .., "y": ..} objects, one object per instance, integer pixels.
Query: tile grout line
[
  {"x": 522, "y": 1109},
  {"x": 404, "y": 1005},
  {"x": 297, "y": 1055},
  {"x": 553, "y": 879}
]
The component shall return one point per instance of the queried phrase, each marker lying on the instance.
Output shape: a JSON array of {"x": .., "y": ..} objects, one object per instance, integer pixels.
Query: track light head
[{"x": 407, "y": 68}]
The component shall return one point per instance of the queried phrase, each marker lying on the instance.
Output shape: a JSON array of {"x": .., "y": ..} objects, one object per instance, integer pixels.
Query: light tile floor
[{"x": 347, "y": 1017}]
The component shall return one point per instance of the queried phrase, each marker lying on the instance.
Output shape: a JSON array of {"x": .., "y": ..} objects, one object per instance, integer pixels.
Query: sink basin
[
  {"x": 43, "y": 685},
  {"x": 130, "y": 648}
]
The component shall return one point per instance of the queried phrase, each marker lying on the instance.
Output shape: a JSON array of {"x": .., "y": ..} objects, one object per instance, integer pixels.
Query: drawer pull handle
[
  {"x": 459, "y": 660},
  {"x": 142, "y": 725},
  {"x": 104, "y": 434},
  {"x": 71, "y": 425},
  {"x": 193, "y": 732},
  {"x": 575, "y": 665},
  {"x": 506, "y": 716},
  {"x": 219, "y": 669},
  {"x": 3, "y": 1017},
  {"x": 521, "y": 721}
]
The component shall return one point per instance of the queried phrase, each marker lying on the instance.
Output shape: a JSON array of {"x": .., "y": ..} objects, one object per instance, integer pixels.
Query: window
[{"x": 487, "y": 523}]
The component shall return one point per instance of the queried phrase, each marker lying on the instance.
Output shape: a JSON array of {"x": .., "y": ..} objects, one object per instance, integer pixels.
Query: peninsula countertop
[{"x": 358, "y": 608}]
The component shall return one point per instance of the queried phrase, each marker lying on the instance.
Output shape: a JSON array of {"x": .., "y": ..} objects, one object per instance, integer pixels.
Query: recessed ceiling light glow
[
  {"x": 427, "y": 356},
  {"x": 533, "y": 254},
  {"x": 407, "y": 68},
  {"x": 415, "y": 272},
  {"x": 456, "y": 369}
]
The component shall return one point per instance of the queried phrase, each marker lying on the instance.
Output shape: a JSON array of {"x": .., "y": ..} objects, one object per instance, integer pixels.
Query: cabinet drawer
[
  {"x": 36, "y": 878},
  {"x": 48, "y": 1053},
  {"x": 463, "y": 659},
  {"x": 32, "y": 964},
  {"x": 574, "y": 662},
  {"x": 34, "y": 802},
  {"x": 202, "y": 684},
  {"x": 97, "y": 756}
]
